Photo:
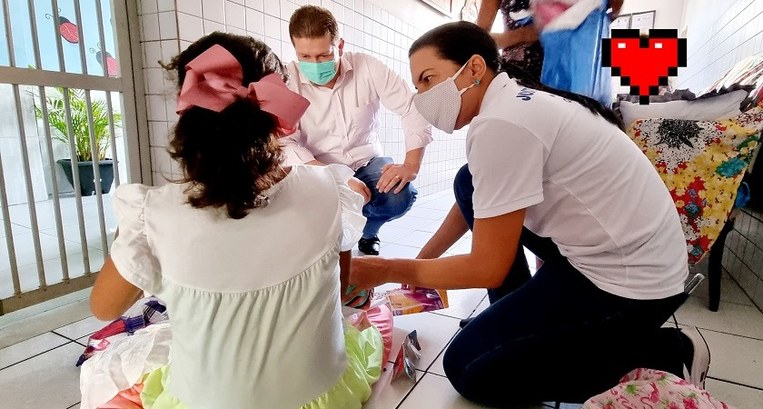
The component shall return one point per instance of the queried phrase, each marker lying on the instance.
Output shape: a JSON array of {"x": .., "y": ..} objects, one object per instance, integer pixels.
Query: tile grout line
[
  {"x": 70, "y": 339},
  {"x": 38, "y": 354},
  {"x": 735, "y": 383},
  {"x": 722, "y": 332}
]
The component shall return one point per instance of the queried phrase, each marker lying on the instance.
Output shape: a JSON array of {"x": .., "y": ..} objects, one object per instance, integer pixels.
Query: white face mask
[{"x": 441, "y": 104}]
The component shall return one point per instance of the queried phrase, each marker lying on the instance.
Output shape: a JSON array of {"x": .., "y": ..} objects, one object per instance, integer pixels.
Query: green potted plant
[{"x": 81, "y": 134}]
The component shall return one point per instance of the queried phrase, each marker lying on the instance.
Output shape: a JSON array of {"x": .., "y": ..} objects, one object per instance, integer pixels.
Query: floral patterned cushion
[
  {"x": 649, "y": 388},
  {"x": 702, "y": 163}
]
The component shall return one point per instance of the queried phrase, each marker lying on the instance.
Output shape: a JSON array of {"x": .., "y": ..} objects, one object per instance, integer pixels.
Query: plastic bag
[
  {"x": 572, "y": 53},
  {"x": 407, "y": 357}
]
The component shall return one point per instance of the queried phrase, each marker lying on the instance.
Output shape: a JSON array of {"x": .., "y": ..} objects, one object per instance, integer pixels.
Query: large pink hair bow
[{"x": 213, "y": 81}]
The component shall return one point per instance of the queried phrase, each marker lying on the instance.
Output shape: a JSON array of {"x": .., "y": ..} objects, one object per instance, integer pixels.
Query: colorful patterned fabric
[
  {"x": 651, "y": 389},
  {"x": 702, "y": 164},
  {"x": 145, "y": 312}
]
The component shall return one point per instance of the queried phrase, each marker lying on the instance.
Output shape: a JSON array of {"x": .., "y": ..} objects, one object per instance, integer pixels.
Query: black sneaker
[
  {"x": 369, "y": 247},
  {"x": 696, "y": 363}
]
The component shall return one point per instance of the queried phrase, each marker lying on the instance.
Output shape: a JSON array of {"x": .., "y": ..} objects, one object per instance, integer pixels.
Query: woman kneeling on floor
[{"x": 551, "y": 171}]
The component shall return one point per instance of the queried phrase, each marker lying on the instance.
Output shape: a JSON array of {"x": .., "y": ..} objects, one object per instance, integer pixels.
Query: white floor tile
[
  {"x": 49, "y": 380},
  {"x": 25, "y": 349},
  {"x": 431, "y": 227},
  {"x": 731, "y": 318},
  {"x": 18, "y": 326},
  {"x": 436, "y": 367},
  {"x": 387, "y": 394},
  {"x": 462, "y": 302},
  {"x": 730, "y": 292},
  {"x": 433, "y": 331},
  {"x": 414, "y": 239},
  {"x": 389, "y": 234},
  {"x": 462, "y": 246},
  {"x": 482, "y": 306},
  {"x": 442, "y": 203},
  {"x": 736, "y": 396},
  {"x": 736, "y": 359},
  {"x": 427, "y": 213},
  {"x": 435, "y": 391},
  {"x": 398, "y": 251},
  {"x": 412, "y": 222},
  {"x": 82, "y": 328}
]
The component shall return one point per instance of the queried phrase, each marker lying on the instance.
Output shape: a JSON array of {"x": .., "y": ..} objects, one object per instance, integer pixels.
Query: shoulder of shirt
[
  {"x": 368, "y": 60},
  {"x": 498, "y": 121}
]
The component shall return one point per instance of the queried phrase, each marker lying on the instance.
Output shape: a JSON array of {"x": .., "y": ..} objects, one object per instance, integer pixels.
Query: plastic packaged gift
[
  {"x": 407, "y": 357},
  {"x": 356, "y": 318},
  {"x": 405, "y": 301}
]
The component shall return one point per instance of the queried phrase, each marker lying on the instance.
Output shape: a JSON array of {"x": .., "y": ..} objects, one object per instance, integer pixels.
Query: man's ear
[{"x": 341, "y": 46}]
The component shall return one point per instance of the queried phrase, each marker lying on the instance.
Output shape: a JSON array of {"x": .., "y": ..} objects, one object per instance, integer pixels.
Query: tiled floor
[
  {"x": 21, "y": 229},
  {"x": 38, "y": 353}
]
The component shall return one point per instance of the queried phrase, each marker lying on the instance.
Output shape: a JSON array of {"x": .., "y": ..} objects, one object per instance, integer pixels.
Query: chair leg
[{"x": 715, "y": 268}]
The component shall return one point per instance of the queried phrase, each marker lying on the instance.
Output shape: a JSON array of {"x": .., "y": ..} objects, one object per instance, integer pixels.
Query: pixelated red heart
[{"x": 644, "y": 63}]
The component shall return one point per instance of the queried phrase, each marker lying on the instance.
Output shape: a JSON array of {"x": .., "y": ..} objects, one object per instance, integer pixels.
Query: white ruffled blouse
[{"x": 254, "y": 303}]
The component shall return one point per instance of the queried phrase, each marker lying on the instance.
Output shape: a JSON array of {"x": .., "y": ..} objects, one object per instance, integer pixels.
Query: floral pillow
[{"x": 702, "y": 163}]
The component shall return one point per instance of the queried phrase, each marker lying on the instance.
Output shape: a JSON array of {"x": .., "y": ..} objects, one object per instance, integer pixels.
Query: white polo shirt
[
  {"x": 340, "y": 124},
  {"x": 584, "y": 184}
]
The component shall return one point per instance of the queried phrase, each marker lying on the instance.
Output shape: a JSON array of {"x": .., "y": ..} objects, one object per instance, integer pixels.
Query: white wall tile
[
  {"x": 154, "y": 80},
  {"x": 285, "y": 31},
  {"x": 287, "y": 52},
  {"x": 213, "y": 10},
  {"x": 156, "y": 108},
  {"x": 254, "y": 4},
  {"x": 272, "y": 27},
  {"x": 152, "y": 53},
  {"x": 272, "y": 8},
  {"x": 170, "y": 105},
  {"x": 234, "y": 15},
  {"x": 158, "y": 133},
  {"x": 148, "y": 6},
  {"x": 255, "y": 21},
  {"x": 165, "y": 5},
  {"x": 192, "y": 7},
  {"x": 287, "y": 9},
  {"x": 212, "y": 26},
  {"x": 150, "y": 25},
  {"x": 168, "y": 25},
  {"x": 191, "y": 28},
  {"x": 170, "y": 48}
]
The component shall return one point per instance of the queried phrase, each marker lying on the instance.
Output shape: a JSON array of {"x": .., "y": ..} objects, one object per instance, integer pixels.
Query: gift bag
[{"x": 572, "y": 51}]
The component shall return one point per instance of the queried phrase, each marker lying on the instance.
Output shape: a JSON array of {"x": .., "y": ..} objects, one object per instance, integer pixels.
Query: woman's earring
[{"x": 476, "y": 82}]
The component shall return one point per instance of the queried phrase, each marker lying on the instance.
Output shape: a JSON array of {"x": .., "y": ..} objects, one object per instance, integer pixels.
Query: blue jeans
[
  {"x": 556, "y": 337},
  {"x": 382, "y": 207}
]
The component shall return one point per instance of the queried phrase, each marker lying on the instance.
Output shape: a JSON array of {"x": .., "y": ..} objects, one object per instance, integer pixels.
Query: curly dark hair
[{"x": 230, "y": 157}]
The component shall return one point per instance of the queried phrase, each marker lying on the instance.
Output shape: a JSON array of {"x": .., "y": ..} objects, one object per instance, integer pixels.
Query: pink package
[{"x": 404, "y": 301}]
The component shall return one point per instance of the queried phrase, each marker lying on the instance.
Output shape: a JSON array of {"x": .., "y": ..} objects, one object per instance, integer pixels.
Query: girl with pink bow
[{"x": 255, "y": 314}]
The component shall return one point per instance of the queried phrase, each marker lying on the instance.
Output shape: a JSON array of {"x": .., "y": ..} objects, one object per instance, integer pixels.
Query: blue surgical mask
[{"x": 320, "y": 73}]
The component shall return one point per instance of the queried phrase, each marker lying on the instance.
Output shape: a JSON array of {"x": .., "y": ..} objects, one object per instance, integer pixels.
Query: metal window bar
[
  {"x": 22, "y": 77},
  {"x": 75, "y": 159},
  {"x": 109, "y": 107},
  {"x": 24, "y": 156},
  {"x": 70, "y": 137},
  {"x": 49, "y": 145},
  {"x": 6, "y": 213},
  {"x": 96, "y": 149},
  {"x": 93, "y": 147}
]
